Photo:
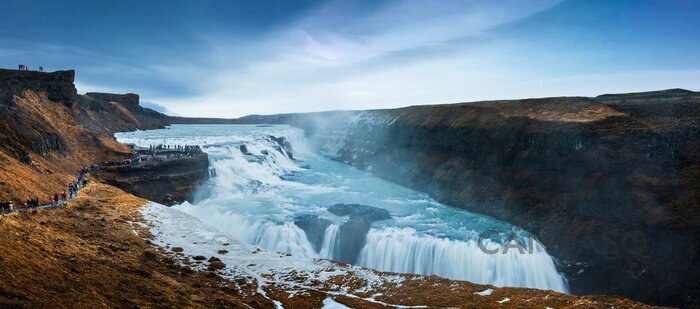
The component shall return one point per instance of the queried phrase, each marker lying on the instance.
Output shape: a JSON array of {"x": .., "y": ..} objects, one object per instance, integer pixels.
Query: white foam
[
  {"x": 174, "y": 228},
  {"x": 251, "y": 199}
]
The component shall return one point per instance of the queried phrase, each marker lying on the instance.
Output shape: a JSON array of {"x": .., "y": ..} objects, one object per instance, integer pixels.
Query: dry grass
[
  {"x": 50, "y": 173},
  {"x": 89, "y": 255},
  {"x": 77, "y": 257},
  {"x": 493, "y": 113}
]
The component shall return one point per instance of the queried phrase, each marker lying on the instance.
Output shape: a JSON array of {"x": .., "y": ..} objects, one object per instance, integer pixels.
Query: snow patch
[
  {"x": 266, "y": 269},
  {"x": 329, "y": 303},
  {"x": 486, "y": 292}
]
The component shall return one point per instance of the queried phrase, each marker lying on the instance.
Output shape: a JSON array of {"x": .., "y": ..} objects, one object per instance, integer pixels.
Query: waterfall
[
  {"x": 403, "y": 250},
  {"x": 265, "y": 177},
  {"x": 330, "y": 241}
]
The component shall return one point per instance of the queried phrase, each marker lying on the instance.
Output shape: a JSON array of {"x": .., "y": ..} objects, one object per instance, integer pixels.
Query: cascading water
[
  {"x": 269, "y": 189},
  {"x": 402, "y": 250},
  {"x": 330, "y": 241}
]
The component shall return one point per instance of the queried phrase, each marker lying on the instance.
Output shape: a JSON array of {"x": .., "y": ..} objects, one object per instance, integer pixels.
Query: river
[{"x": 269, "y": 188}]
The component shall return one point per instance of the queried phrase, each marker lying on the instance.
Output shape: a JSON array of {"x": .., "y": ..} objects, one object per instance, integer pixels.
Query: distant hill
[{"x": 676, "y": 94}]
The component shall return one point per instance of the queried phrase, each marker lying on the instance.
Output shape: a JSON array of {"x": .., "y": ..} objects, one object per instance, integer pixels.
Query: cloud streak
[
  {"x": 323, "y": 61},
  {"x": 230, "y": 58}
]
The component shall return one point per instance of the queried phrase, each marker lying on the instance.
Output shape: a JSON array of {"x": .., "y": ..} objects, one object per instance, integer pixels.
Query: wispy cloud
[
  {"x": 337, "y": 54},
  {"x": 328, "y": 61}
]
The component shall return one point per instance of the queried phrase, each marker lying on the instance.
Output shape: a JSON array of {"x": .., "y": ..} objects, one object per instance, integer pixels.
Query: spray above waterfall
[{"x": 269, "y": 188}]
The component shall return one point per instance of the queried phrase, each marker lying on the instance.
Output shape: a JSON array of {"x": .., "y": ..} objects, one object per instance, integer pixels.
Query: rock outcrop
[
  {"x": 58, "y": 85},
  {"x": 106, "y": 113},
  {"x": 352, "y": 233},
  {"x": 167, "y": 182},
  {"x": 611, "y": 185}
]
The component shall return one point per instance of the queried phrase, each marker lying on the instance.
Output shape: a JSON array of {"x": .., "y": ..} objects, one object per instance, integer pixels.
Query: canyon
[{"x": 610, "y": 184}]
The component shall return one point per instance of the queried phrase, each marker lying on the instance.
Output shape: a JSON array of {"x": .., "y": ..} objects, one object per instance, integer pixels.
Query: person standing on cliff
[{"x": 41, "y": 69}]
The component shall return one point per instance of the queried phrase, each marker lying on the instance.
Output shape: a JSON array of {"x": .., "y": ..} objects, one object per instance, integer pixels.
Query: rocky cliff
[
  {"x": 48, "y": 132},
  {"x": 167, "y": 182},
  {"x": 106, "y": 113},
  {"x": 611, "y": 185},
  {"x": 58, "y": 86}
]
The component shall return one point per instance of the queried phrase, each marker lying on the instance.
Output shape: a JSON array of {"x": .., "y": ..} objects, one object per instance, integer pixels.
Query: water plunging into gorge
[{"x": 270, "y": 189}]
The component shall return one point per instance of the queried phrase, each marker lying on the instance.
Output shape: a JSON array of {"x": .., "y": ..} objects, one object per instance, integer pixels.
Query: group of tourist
[
  {"x": 32, "y": 202},
  {"x": 6, "y": 206},
  {"x": 55, "y": 199},
  {"x": 24, "y": 67},
  {"x": 72, "y": 191},
  {"x": 183, "y": 151},
  {"x": 118, "y": 163},
  {"x": 80, "y": 182},
  {"x": 184, "y": 148}
]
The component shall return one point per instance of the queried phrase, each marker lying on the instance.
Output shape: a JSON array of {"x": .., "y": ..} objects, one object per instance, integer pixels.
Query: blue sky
[{"x": 232, "y": 58}]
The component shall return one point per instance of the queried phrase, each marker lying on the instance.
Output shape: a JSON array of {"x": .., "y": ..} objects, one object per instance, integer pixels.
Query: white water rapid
[{"x": 268, "y": 188}]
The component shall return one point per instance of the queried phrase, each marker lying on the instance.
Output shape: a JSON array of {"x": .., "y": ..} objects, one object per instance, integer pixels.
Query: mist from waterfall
[{"x": 270, "y": 189}]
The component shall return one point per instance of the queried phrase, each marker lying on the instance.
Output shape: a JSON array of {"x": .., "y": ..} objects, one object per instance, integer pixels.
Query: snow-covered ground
[
  {"x": 172, "y": 228},
  {"x": 270, "y": 274}
]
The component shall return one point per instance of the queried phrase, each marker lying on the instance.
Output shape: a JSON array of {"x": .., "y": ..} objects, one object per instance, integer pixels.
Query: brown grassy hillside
[
  {"x": 48, "y": 132},
  {"x": 43, "y": 147},
  {"x": 88, "y": 255}
]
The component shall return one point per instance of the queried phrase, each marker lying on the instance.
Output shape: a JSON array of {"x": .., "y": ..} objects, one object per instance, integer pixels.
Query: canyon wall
[
  {"x": 48, "y": 132},
  {"x": 611, "y": 185},
  {"x": 167, "y": 182}
]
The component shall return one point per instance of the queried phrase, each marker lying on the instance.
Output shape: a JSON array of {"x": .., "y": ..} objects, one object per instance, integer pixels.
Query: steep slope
[
  {"x": 108, "y": 113},
  {"x": 48, "y": 132},
  {"x": 98, "y": 252},
  {"x": 608, "y": 184}
]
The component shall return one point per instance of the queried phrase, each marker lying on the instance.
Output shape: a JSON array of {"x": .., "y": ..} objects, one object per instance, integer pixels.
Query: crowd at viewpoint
[
  {"x": 182, "y": 151},
  {"x": 183, "y": 148},
  {"x": 24, "y": 67}
]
